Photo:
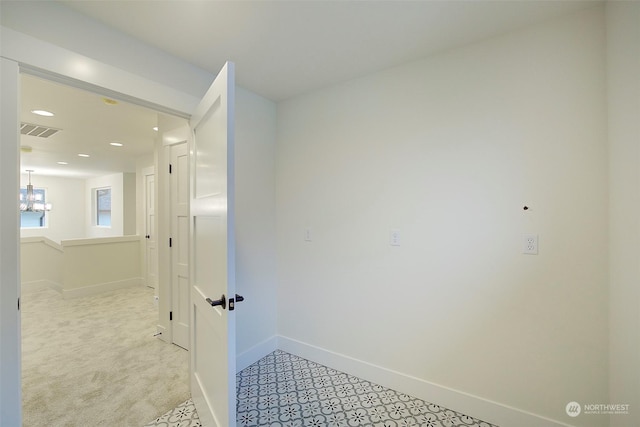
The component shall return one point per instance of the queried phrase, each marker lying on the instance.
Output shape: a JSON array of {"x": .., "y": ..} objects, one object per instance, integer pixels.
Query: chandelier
[{"x": 33, "y": 201}]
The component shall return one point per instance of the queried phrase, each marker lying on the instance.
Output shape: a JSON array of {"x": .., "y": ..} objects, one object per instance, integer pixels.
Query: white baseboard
[
  {"x": 101, "y": 287},
  {"x": 486, "y": 410},
  {"x": 38, "y": 285},
  {"x": 255, "y": 353}
]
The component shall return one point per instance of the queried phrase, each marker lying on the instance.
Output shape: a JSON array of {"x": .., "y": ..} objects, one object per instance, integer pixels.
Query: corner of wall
[
  {"x": 623, "y": 91},
  {"x": 129, "y": 203}
]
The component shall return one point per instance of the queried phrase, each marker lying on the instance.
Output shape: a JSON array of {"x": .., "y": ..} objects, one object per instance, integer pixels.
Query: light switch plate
[{"x": 394, "y": 237}]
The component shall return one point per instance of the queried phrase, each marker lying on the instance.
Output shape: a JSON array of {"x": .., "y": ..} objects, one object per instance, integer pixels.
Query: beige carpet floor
[{"x": 93, "y": 361}]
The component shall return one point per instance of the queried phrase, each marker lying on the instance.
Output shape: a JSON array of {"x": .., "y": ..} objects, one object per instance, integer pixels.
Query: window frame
[{"x": 96, "y": 207}]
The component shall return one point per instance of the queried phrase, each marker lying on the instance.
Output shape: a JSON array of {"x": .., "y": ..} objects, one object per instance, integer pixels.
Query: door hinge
[
  {"x": 169, "y": 167},
  {"x": 170, "y": 242},
  {"x": 18, "y": 303},
  {"x": 170, "y": 315}
]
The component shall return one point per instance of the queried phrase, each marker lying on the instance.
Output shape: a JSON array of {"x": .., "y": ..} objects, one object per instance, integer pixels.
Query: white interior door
[
  {"x": 213, "y": 358},
  {"x": 179, "y": 189},
  {"x": 151, "y": 250}
]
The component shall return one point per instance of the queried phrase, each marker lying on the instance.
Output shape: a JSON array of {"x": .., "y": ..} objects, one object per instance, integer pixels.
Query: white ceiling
[
  {"x": 285, "y": 48},
  {"x": 88, "y": 126},
  {"x": 281, "y": 49}
]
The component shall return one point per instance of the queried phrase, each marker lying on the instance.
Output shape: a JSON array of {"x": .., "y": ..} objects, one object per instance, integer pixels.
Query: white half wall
[
  {"x": 41, "y": 264},
  {"x": 91, "y": 266},
  {"x": 448, "y": 151},
  {"x": 623, "y": 89},
  {"x": 66, "y": 220}
]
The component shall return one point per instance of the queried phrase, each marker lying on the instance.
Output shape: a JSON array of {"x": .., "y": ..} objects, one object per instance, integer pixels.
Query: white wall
[
  {"x": 123, "y": 206},
  {"x": 255, "y": 226},
  {"x": 66, "y": 220},
  {"x": 129, "y": 204},
  {"x": 623, "y": 59},
  {"x": 40, "y": 264},
  {"x": 91, "y": 266},
  {"x": 511, "y": 278},
  {"x": 80, "y": 267},
  {"x": 448, "y": 150}
]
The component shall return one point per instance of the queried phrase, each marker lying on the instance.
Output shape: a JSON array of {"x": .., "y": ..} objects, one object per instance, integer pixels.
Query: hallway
[{"x": 94, "y": 360}]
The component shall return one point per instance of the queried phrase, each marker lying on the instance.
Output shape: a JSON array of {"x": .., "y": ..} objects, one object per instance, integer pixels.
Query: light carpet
[{"x": 93, "y": 361}]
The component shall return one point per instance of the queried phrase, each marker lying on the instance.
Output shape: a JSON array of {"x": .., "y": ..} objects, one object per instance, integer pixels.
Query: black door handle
[
  {"x": 239, "y": 298},
  {"x": 221, "y": 302}
]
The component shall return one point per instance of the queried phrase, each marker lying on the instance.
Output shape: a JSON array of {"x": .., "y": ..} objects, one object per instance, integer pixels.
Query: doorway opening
[{"x": 97, "y": 138}]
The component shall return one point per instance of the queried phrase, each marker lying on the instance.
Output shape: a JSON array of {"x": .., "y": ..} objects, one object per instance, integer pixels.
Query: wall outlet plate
[{"x": 530, "y": 244}]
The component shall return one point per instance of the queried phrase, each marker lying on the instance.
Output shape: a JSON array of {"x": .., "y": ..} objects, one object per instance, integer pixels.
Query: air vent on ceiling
[{"x": 37, "y": 130}]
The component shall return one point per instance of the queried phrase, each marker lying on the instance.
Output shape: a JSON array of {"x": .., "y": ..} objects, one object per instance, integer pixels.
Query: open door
[{"x": 212, "y": 255}]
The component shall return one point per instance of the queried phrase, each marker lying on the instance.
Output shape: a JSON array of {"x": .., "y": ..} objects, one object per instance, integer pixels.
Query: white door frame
[
  {"x": 22, "y": 53},
  {"x": 10, "y": 382}
]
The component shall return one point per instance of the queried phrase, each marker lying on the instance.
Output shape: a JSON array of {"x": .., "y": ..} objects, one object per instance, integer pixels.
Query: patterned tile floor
[
  {"x": 288, "y": 391},
  {"x": 184, "y": 415}
]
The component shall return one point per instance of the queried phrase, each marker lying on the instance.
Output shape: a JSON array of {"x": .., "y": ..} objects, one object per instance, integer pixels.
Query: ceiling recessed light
[
  {"x": 155, "y": 128},
  {"x": 116, "y": 144},
  {"x": 44, "y": 113},
  {"x": 83, "y": 155},
  {"x": 63, "y": 163}
]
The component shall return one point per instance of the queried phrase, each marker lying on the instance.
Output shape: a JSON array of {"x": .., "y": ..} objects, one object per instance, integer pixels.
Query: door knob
[{"x": 221, "y": 302}]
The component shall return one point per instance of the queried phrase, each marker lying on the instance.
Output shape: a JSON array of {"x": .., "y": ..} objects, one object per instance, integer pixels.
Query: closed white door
[
  {"x": 151, "y": 252},
  {"x": 213, "y": 345},
  {"x": 179, "y": 189}
]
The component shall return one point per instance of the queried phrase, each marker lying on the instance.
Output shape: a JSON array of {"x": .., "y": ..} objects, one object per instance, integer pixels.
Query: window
[
  {"x": 103, "y": 207},
  {"x": 33, "y": 219}
]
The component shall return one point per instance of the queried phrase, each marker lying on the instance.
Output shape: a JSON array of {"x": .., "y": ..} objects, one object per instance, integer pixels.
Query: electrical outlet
[
  {"x": 530, "y": 244},
  {"x": 307, "y": 234}
]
